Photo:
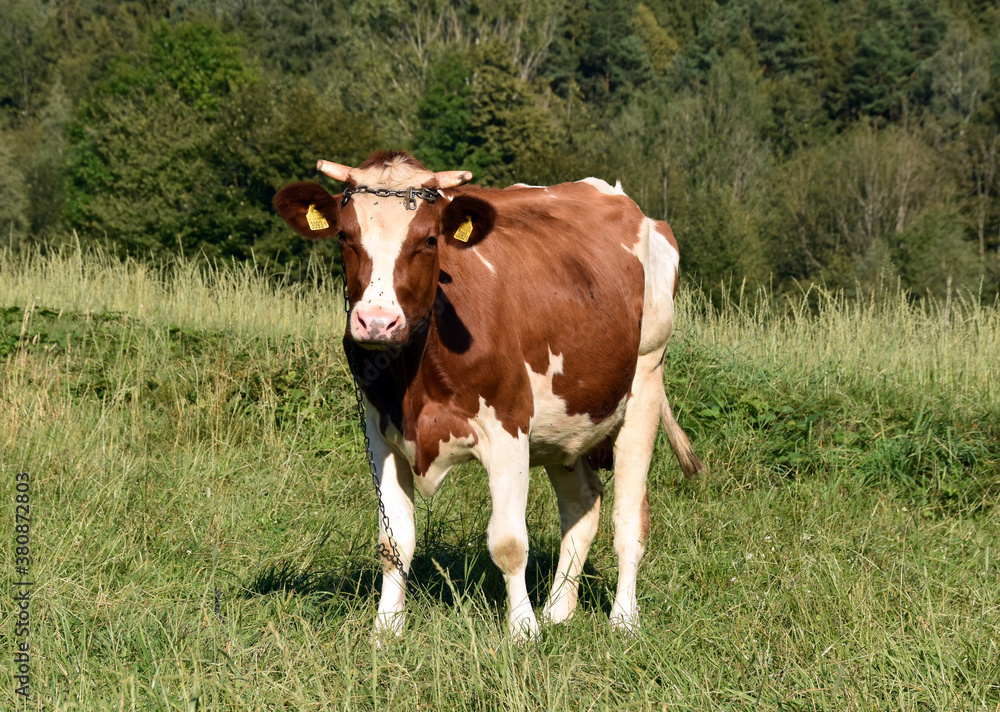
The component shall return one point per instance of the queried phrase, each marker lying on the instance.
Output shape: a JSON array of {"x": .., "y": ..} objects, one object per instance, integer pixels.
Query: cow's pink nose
[{"x": 375, "y": 323}]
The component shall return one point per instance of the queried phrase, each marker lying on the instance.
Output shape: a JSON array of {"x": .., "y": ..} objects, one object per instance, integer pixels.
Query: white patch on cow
[
  {"x": 661, "y": 266},
  {"x": 451, "y": 452},
  {"x": 556, "y": 436},
  {"x": 603, "y": 186},
  {"x": 486, "y": 262}
]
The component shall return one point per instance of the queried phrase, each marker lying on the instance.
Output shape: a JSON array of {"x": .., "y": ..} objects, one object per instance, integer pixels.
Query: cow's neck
[{"x": 385, "y": 376}]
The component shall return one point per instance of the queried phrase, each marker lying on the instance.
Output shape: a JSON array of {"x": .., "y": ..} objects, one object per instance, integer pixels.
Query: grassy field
[{"x": 203, "y": 527}]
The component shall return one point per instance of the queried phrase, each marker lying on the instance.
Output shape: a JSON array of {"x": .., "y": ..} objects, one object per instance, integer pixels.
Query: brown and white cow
[{"x": 534, "y": 340}]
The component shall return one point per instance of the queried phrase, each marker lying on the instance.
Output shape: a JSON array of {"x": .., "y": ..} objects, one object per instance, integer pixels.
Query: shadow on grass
[{"x": 464, "y": 572}]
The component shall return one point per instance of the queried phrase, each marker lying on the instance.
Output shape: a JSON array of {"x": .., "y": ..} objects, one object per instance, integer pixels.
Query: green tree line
[{"x": 786, "y": 141}]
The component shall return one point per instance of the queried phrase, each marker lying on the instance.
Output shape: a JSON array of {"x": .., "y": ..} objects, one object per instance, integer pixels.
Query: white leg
[
  {"x": 507, "y": 535},
  {"x": 578, "y": 492},
  {"x": 633, "y": 452},
  {"x": 396, "y": 482}
]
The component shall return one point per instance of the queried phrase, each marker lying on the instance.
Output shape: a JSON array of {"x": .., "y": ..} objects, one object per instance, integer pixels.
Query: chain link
[
  {"x": 390, "y": 553},
  {"x": 411, "y": 194}
]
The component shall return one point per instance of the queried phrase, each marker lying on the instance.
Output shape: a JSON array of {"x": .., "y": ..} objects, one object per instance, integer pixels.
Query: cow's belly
[{"x": 555, "y": 435}]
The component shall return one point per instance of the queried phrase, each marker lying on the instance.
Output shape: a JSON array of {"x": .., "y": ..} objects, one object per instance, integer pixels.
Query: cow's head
[{"x": 389, "y": 242}]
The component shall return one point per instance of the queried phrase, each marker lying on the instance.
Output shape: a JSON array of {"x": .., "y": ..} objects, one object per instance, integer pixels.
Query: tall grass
[
  {"x": 203, "y": 528},
  {"x": 884, "y": 334},
  {"x": 238, "y": 297}
]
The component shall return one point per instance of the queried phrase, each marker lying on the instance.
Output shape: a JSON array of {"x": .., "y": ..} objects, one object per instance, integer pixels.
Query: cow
[{"x": 520, "y": 327}]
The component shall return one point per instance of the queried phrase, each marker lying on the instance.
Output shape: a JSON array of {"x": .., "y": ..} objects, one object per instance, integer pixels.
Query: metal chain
[
  {"x": 390, "y": 553},
  {"x": 411, "y": 194}
]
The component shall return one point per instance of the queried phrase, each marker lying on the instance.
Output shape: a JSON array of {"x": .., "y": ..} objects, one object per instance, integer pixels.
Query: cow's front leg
[
  {"x": 395, "y": 478},
  {"x": 507, "y": 535}
]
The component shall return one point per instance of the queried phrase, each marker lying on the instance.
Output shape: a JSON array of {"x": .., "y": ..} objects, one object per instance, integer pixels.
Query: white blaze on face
[{"x": 384, "y": 223}]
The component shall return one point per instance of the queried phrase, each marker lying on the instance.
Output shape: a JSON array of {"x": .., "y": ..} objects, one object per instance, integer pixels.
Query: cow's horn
[
  {"x": 452, "y": 179},
  {"x": 336, "y": 171}
]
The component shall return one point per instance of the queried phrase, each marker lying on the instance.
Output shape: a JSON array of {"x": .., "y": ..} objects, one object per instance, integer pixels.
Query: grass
[{"x": 203, "y": 528}]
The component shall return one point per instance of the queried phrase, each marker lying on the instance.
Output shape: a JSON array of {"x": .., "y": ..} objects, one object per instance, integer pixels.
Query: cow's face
[{"x": 390, "y": 250}]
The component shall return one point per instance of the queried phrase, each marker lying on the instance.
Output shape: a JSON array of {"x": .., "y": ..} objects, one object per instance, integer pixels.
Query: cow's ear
[
  {"x": 309, "y": 210},
  {"x": 466, "y": 220}
]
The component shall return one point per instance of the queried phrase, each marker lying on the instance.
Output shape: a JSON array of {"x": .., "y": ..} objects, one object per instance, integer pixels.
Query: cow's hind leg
[
  {"x": 578, "y": 491},
  {"x": 633, "y": 452}
]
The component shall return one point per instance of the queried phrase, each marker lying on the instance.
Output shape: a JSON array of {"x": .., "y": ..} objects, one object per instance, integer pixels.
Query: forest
[{"x": 841, "y": 143}]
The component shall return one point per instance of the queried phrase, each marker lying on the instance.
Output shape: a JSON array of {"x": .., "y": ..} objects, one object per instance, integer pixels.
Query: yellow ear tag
[
  {"x": 464, "y": 231},
  {"x": 315, "y": 219}
]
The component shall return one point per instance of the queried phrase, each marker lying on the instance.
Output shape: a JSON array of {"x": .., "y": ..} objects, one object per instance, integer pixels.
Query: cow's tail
[{"x": 679, "y": 442}]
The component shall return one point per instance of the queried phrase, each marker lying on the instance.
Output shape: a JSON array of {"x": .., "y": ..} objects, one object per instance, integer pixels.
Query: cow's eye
[{"x": 431, "y": 241}]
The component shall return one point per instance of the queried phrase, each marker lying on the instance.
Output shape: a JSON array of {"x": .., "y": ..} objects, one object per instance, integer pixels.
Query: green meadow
[{"x": 203, "y": 525}]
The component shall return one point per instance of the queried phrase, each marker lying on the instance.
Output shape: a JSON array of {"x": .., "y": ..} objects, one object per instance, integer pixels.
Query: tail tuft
[{"x": 679, "y": 443}]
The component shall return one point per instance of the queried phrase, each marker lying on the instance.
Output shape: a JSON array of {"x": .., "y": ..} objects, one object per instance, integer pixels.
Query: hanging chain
[{"x": 390, "y": 553}]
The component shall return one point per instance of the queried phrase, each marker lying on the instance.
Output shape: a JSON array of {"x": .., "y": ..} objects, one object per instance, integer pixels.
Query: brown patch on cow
[
  {"x": 416, "y": 285},
  {"x": 510, "y": 555},
  {"x": 357, "y": 262},
  {"x": 437, "y": 425},
  {"x": 556, "y": 278},
  {"x": 644, "y": 519},
  {"x": 292, "y": 203}
]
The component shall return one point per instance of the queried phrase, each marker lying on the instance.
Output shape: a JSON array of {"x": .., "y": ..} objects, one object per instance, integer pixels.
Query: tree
[
  {"x": 985, "y": 169},
  {"x": 660, "y": 47},
  {"x": 13, "y": 189},
  {"x": 612, "y": 61},
  {"x": 184, "y": 145},
  {"x": 934, "y": 257},
  {"x": 894, "y": 39},
  {"x": 22, "y": 59},
  {"x": 959, "y": 76},
  {"x": 139, "y": 165},
  {"x": 444, "y": 139}
]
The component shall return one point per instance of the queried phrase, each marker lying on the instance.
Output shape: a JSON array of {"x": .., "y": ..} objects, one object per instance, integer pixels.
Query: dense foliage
[{"x": 787, "y": 142}]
